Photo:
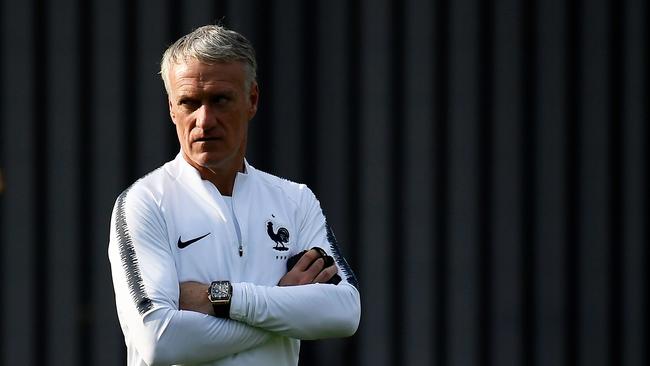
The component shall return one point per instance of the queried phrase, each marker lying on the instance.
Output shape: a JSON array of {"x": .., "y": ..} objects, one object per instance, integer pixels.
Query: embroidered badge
[{"x": 281, "y": 237}]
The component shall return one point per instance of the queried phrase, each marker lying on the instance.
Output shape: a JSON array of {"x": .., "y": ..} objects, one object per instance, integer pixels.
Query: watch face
[{"x": 220, "y": 290}]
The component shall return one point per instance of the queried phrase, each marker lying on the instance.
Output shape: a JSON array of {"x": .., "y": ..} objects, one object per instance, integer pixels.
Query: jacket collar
[{"x": 188, "y": 175}]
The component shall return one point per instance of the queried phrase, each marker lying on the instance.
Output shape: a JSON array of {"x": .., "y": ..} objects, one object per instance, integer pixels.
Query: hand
[
  {"x": 194, "y": 297},
  {"x": 312, "y": 267}
]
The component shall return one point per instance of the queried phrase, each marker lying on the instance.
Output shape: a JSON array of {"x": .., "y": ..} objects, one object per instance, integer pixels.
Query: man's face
[{"x": 211, "y": 106}]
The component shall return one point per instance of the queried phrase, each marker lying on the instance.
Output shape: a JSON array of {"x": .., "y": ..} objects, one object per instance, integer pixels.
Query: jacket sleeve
[
  {"x": 147, "y": 292},
  {"x": 307, "y": 312}
]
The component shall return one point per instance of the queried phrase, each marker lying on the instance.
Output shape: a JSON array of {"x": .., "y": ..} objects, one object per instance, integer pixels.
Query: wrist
[{"x": 220, "y": 295}]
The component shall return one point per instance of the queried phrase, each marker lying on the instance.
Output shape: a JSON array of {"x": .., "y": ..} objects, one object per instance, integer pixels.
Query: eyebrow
[{"x": 190, "y": 95}]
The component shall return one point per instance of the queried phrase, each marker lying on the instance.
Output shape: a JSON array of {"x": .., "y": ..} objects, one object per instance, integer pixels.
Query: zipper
[{"x": 238, "y": 231}]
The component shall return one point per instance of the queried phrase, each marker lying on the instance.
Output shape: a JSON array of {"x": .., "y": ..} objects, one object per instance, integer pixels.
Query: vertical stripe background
[{"x": 483, "y": 164}]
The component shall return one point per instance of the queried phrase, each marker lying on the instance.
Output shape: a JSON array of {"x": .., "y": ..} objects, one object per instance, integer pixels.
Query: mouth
[{"x": 206, "y": 139}]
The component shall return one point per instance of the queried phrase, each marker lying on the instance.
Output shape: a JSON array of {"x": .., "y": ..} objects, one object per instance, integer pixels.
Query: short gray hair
[{"x": 210, "y": 44}]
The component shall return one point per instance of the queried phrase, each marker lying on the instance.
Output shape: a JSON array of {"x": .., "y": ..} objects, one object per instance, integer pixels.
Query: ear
[
  {"x": 171, "y": 111},
  {"x": 253, "y": 98}
]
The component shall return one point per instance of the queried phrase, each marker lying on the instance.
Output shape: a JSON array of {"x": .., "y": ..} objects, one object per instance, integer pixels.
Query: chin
[{"x": 210, "y": 161}]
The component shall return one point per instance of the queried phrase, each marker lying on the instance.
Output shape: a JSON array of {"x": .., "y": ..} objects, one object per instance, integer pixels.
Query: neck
[{"x": 223, "y": 177}]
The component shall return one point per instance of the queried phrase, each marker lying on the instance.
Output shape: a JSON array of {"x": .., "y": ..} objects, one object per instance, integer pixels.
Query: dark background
[{"x": 483, "y": 163}]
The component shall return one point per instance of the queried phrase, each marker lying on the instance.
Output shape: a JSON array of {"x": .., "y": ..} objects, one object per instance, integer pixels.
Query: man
[{"x": 199, "y": 248}]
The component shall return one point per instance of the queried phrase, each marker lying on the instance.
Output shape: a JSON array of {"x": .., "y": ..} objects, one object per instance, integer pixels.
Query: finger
[
  {"x": 315, "y": 269},
  {"x": 293, "y": 260},
  {"x": 326, "y": 274},
  {"x": 329, "y": 261},
  {"x": 307, "y": 260},
  {"x": 320, "y": 251}
]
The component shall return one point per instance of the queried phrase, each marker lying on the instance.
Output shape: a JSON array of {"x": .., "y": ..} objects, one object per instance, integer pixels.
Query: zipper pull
[{"x": 241, "y": 250}]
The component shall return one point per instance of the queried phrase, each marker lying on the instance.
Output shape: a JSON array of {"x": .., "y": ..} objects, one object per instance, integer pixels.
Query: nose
[{"x": 205, "y": 117}]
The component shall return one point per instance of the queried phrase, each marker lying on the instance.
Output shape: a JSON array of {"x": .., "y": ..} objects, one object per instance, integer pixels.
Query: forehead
[{"x": 193, "y": 76}]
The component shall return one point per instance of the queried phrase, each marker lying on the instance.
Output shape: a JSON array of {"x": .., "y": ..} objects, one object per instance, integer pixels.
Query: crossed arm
[
  {"x": 302, "y": 306},
  {"x": 308, "y": 270},
  {"x": 299, "y": 307}
]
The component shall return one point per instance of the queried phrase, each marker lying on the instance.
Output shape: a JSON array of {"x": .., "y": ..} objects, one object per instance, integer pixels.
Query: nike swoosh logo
[{"x": 183, "y": 244}]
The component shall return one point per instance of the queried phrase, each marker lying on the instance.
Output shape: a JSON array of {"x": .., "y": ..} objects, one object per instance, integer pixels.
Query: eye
[
  {"x": 220, "y": 100},
  {"x": 189, "y": 103}
]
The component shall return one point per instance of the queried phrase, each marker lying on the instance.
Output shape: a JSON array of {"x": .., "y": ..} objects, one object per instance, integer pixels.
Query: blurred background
[{"x": 484, "y": 164}]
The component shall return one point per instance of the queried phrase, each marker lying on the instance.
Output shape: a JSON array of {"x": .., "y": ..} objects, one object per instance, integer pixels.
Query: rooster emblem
[{"x": 281, "y": 237}]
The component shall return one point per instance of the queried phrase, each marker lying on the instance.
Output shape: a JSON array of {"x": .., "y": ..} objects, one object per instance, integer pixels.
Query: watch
[{"x": 219, "y": 294}]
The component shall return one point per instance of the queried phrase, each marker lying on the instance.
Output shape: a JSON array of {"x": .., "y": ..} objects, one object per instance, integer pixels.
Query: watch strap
[{"x": 222, "y": 310}]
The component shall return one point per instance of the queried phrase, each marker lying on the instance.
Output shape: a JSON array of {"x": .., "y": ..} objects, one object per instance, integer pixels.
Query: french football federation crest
[{"x": 280, "y": 237}]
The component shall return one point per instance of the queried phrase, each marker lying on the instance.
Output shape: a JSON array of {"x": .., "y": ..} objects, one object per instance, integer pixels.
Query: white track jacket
[{"x": 171, "y": 226}]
